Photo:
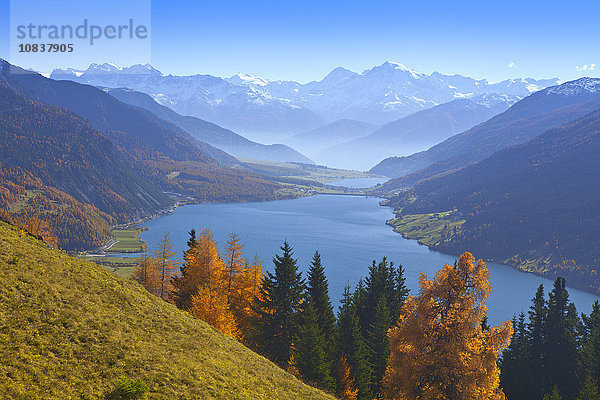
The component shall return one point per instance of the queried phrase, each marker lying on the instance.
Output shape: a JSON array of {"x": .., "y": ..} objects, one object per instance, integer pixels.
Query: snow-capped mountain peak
[
  {"x": 106, "y": 68},
  {"x": 582, "y": 85},
  {"x": 253, "y": 105},
  {"x": 390, "y": 67},
  {"x": 492, "y": 99},
  {"x": 247, "y": 79}
]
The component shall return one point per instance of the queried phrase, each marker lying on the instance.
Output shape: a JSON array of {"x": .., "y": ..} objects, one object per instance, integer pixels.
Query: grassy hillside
[{"x": 70, "y": 330}]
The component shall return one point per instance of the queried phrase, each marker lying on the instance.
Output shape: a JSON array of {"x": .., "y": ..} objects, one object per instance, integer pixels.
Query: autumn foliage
[
  {"x": 347, "y": 389},
  {"x": 218, "y": 290},
  {"x": 438, "y": 348}
]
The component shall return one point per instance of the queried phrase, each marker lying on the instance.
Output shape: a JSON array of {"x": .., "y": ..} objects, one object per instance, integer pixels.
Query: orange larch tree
[
  {"x": 31, "y": 221},
  {"x": 147, "y": 274},
  {"x": 234, "y": 263},
  {"x": 247, "y": 287},
  {"x": 347, "y": 390},
  {"x": 211, "y": 306},
  {"x": 166, "y": 265},
  {"x": 438, "y": 347}
]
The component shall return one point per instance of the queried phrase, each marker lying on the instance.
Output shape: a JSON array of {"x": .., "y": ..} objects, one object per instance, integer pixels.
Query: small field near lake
[
  {"x": 126, "y": 241},
  {"x": 428, "y": 229}
]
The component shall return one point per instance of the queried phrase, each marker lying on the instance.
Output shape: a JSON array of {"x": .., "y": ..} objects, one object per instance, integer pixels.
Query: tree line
[
  {"x": 555, "y": 352},
  {"x": 381, "y": 343}
]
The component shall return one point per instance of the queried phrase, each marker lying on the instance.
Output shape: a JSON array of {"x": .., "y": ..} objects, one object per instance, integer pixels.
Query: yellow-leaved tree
[
  {"x": 347, "y": 389},
  {"x": 165, "y": 266},
  {"x": 439, "y": 349},
  {"x": 212, "y": 307},
  {"x": 208, "y": 266},
  {"x": 147, "y": 274},
  {"x": 246, "y": 289},
  {"x": 234, "y": 262},
  {"x": 30, "y": 220}
]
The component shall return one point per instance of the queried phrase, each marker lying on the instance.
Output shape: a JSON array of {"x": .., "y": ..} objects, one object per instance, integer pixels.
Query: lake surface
[
  {"x": 359, "y": 183},
  {"x": 349, "y": 232}
]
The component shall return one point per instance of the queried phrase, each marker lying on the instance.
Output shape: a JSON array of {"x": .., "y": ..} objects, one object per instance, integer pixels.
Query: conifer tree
[
  {"x": 379, "y": 347},
  {"x": 247, "y": 288},
  {"x": 401, "y": 293},
  {"x": 211, "y": 306},
  {"x": 554, "y": 394},
  {"x": 166, "y": 265},
  {"x": 278, "y": 307},
  {"x": 589, "y": 390},
  {"x": 589, "y": 359},
  {"x": 560, "y": 345},
  {"x": 514, "y": 377},
  {"x": 147, "y": 274},
  {"x": 185, "y": 285},
  {"x": 536, "y": 337},
  {"x": 381, "y": 281},
  {"x": 310, "y": 351},
  {"x": 438, "y": 349},
  {"x": 352, "y": 344},
  {"x": 234, "y": 262},
  {"x": 209, "y": 269},
  {"x": 318, "y": 295}
]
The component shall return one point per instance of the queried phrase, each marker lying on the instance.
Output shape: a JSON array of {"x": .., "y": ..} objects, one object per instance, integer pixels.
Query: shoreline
[{"x": 490, "y": 260}]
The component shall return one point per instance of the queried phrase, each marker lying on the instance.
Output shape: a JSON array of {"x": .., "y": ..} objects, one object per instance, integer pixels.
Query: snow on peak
[
  {"x": 582, "y": 85},
  {"x": 105, "y": 68},
  {"x": 139, "y": 69},
  {"x": 492, "y": 99},
  {"x": 391, "y": 67},
  {"x": 247, "y": 79}
]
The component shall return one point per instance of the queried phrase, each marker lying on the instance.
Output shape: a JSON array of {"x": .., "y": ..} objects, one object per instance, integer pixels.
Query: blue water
[
  {"x": 349, "y": 232},
  {"x": 359, "y": 183}
]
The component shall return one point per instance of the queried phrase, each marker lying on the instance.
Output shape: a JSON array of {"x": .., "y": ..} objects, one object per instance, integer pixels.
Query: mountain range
[
  {"x": 526, "y": 119},
  {"x": 415, "y": 132},
  {"x": 270, "y": 111},
  {"x": 522, "y": 188},
  {"x": 210, "y": 133},
  {"x": 74, "y": 141}
]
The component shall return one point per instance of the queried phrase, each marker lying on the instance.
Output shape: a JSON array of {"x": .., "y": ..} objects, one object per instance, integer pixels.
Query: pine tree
[
  {"x": 379, "y": 347},
  {"x": 554, "y": 394},
  {"x": 589, "y": 390},
  {"x": 318, "y": 295},
  {"x": 352, "y": 345},
  {"x": 185, "y": 285},
  {"x": 310, "y": 352},
  {"x": 401, "y": 294},
  {"x": 515, "y": 374},
  {"x": 560, "y": 343},
  {"x": 438, "y": 349},
  {"x": 278, "y": 307},
  {"x": 589, "y": 358},
  {"x": 536, "y": 338},
  {"x": 166, "y": 265},
  {"x": 381, "y": 281}
]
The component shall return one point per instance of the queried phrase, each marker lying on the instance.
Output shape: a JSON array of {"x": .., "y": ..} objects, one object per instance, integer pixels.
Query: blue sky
[{"x": 304, "y": 40}]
